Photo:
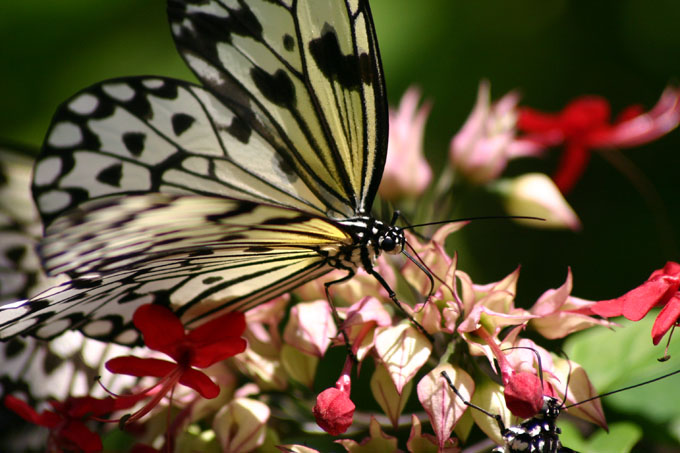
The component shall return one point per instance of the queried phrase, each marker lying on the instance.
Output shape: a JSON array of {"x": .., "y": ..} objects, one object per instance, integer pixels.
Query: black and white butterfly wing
[
  {"x": 289, "y": 135},
  {"x": 306, "y": 74}
]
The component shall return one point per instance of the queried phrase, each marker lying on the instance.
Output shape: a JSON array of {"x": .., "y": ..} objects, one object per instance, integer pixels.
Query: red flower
[
  {"x": 66, "y": 422},
  {"x": 334, "y": 410},
  {"x": 210, "y": 343},
  {"x": 661, "y": 288},
  {"x": 584, "y": 124}
]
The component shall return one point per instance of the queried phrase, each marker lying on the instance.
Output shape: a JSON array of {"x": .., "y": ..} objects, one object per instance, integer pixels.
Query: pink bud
[
  {"x": 524, "y": 394},
  {"x": 334, "y": 411}
]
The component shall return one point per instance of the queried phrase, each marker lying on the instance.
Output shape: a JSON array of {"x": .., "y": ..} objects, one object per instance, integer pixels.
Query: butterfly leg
[
  {"x": 393, "y": 296},
  {"x": 336, "y": 316}
]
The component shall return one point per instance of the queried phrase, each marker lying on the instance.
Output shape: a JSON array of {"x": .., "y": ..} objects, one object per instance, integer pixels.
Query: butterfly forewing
[{"x": 310, "y": 73}]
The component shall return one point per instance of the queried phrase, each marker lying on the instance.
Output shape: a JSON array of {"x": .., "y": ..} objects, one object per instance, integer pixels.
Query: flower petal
[
  {"x": 160, "y": 326},
  {"x": 204, "y": 356},
  {"x": 667, "y": 318},
  {"x": 227, "y": 326},
  {"x": 23, "y": 410},
  {"x": 200, "y": 382},
  {"x": 403, "y": 350},
  {"x": 80, "y": 435},
  {"x": 443, "y": 407},
  {"x": 135, "y": 366}
]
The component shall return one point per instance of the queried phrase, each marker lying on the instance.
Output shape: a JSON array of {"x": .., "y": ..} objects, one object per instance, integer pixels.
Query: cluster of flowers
[{"x": 234, "y": 382}]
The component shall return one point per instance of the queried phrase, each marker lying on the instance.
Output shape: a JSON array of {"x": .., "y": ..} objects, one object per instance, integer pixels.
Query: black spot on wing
[
  {"x": 243, "y": 207},
  {"x": 3, "y": 175},
  {"x": 213, "y": 28},
  {"x": 345, "y": 69},
  {"x": 258, "y": 249},
  {"x": 277, "y": 87},
  {"x": 201, "y": 252},
  {"x": 181, "y": 122},
  {"x": 288, "y": 42},
  {"x": 85, "y": 282},
  {"x": 285, "y": 220},
  {"x": 14, "y": 347},
  {"x": 240, "y": 130},
  {"x": 111, "y": 175},
  {"x": 211, "y": 280},
  {"x": 51, "y": 363},
  {"x": 134, "y": 142},
  {"x": 15, "y": 253}
]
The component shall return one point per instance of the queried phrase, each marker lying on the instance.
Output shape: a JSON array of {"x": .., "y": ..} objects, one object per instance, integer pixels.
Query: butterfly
[{"x": 219, "y": 196}]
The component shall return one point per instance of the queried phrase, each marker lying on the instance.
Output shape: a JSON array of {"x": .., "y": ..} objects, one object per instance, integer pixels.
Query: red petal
[
  {"x": 333, "y": 411},
  {"x": 608, "y": 308},
  {"x": 583, "y": 115},
  {"x": 672, "y": 269},
  {"x": 531, "y": 120},
  {"x": 135, "y": 366},
  {"x": 87, "y": 405},
  {"x": 571, "y": 167},
  {"x": 668, "y": 316},
  {"x": 79, "y": 434},
  {"x": 200, "y": 382},
  {"x": 207, "y": 355},
  {"x": 160, "y": 327},
  {"x": 23, "y": 410},
  {"x": 629, "y": 113},
  {"x": 636, "y": 303},
  {"x": 225, "y": 327}
]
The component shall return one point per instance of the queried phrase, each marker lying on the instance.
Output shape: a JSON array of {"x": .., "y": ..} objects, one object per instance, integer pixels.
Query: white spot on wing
[
  {"x": 46, "y": 171},
  {"x": 207, "y": 71},
  {"x": 53, "y": 201},
  {"x": 53, "y": 327},
  {"x": 65, "y": 135},
  {"x": 119, "y": 91},
  {"x": 84, "y": 104},
  {"x": 98, "y": 328},
  {"x": 153, "y": 84}
]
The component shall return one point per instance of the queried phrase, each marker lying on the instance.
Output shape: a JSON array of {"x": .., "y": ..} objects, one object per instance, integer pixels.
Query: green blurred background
[{"x": 551, "y": 50}]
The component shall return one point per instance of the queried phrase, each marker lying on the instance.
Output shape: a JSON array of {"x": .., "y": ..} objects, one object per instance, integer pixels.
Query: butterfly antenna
[
  {"x": 566, "y": 387},
  {"x": 496, "y": 417},
  {"x": 625, "y": 388},
  {"x": 468, "y": 219}
]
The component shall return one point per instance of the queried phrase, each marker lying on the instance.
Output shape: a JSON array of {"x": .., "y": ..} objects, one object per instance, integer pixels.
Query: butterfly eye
[{"x": 387, "y": 243}]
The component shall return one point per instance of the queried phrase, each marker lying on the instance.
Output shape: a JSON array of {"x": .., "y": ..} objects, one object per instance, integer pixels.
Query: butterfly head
[{"x": 391, "y": 240}]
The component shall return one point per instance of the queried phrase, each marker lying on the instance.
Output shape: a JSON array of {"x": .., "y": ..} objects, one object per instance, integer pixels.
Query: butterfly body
[{"x": 538, "y": 434}]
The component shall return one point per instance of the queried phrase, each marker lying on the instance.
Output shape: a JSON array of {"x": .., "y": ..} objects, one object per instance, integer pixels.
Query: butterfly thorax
[
  {"x": 370, "y": 237},
  {"x": 538, "y": 434}
]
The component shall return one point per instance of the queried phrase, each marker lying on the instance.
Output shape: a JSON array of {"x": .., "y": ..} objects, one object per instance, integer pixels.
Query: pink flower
[
  {"x": 661, "y": 288},
  {"x": 584, "y": 124},
  {"x": 334, "y": 410},
  {"x": 406, "y": 173},
  {"x": 487, "y": 140}
]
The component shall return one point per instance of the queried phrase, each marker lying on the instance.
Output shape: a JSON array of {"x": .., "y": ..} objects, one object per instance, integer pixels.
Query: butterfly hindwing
[
  {"x": 148, "y": 134},
  {"x": 196, "y": 254}
]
